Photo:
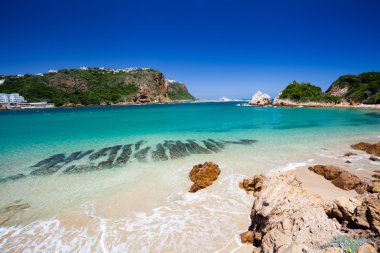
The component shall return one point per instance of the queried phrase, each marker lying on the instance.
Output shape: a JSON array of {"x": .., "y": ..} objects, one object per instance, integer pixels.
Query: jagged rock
[
  {"x": 349, "y": 154},
  {"x": 203, "y": 175},
  {"x": 366, "y": 248},
  {"x": 373, "y": 149},
  {"x": 361, "y": 212},
  {"x": 260, "y": 98},
  {"x": 344, "y": 208},
  {"x": 252, "y": 184},
  {"x": 285, "y": 218},
  {"x": 247, "y": 237},
  {"x": 374, "y": 159}
]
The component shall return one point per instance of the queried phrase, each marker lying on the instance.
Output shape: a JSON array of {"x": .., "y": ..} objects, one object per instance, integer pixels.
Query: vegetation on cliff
[
  {"x": 94, "y": 86},
  {"x": 178, "y": 91},
  {"x": 306, "y": 92},
  {"x": 363, "y": 88}
]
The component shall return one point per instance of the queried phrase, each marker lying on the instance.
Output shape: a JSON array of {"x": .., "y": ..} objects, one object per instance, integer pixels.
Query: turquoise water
[
  {"x": 118, "y": 179},
  {"x": 28, "y": 136}
]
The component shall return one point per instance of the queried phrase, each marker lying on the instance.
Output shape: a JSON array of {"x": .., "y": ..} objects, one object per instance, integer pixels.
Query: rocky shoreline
[
  {"x": 289, "y": 216},
  {"x": 286, "y": 217}
]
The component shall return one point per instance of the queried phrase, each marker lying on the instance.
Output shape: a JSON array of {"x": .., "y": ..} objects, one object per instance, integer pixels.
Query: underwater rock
[
  {"x": 141, "y": 155},
  {"x": 176, "y": 149},
  {"x": 45, "y": 171},
  {"x": 242, "y": 142},
  {"x": 86, "y": 153},
  {"x": 159, "y": 154},
  {"x": 80, "y": 168},
  {"x": 217, "y": 143},
  {"x": 96, "y": 155},
  {"x": 125, "y": 154},
  {"x": 195, "y": 148},
  {"x": 138, "y": 145},
  {"x": 13, "y": 177},
  {"x": 74, "y": 156},
  {"x": 111, "y": 156},
  {"x": 50, "y": 161},
  {"x": 211, "y": 146}
]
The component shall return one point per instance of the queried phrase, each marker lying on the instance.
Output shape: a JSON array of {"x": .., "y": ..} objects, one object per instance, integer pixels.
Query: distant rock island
[{"x": 96, "y": 86}]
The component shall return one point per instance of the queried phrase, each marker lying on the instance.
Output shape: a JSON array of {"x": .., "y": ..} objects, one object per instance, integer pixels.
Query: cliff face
[
  {"x": 363, "y": 88},
  {"x": 178, "y": 91},
  {"x": 96, "y": 86}
]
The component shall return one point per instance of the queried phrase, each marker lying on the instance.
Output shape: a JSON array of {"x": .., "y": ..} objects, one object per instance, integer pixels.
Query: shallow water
[{"x": 137, "y": 201}]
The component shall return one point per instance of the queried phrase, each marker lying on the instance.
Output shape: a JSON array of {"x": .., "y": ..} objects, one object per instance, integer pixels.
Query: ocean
[{"x": 115, "y": 178}]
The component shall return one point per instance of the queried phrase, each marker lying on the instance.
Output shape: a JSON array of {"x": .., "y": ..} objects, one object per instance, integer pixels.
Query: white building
[
  {"x": 53, "y": 71},
  {"x": 2, "y": 81},
  {"x": 40, "y": 74},
  {"x": 13, "y": 98},
  {"x": 84, "y": 68}
]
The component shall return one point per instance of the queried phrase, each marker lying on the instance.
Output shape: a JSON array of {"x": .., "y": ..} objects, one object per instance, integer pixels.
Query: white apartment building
[{"x": 13, "y": 98}]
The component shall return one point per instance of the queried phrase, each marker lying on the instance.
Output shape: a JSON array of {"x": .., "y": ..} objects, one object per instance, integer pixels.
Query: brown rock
[
  {"x": 359, "y": 213},
  {"x": 349, "y": 154},
  {"x": 203, "y": 175},
  {"x": 347, "y": 181},
  {"x": 375, "y": 159},
  {"x": 341, "y": 178},
  {"x": 328, "y": 171},
  {"x": 375, "y": 188},
  {"x": 367, "y": 248},
  {"x": 347, "y": 161},
  {"x": 373, "y": 149},
  {"x": 376, "y": 176},
  {"x": 247, "y": 237},
  {"x": 373, "y": 214},
  {"x": 252, "y": 184}
]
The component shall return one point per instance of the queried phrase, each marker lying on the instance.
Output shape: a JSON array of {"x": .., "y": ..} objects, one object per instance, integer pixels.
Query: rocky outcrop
[
  {"x": 260, "y": 99},
  {"x": 285, "y": 218},
  {"x": 373, "y": 149},
  {"x": 341, "y": 178},
  {"x": 203, "y": 175},
  {"x": 362, "y": 212}
]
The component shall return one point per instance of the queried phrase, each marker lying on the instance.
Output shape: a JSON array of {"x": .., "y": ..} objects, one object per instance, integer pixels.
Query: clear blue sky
[{"x": 218, "y": 48}]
